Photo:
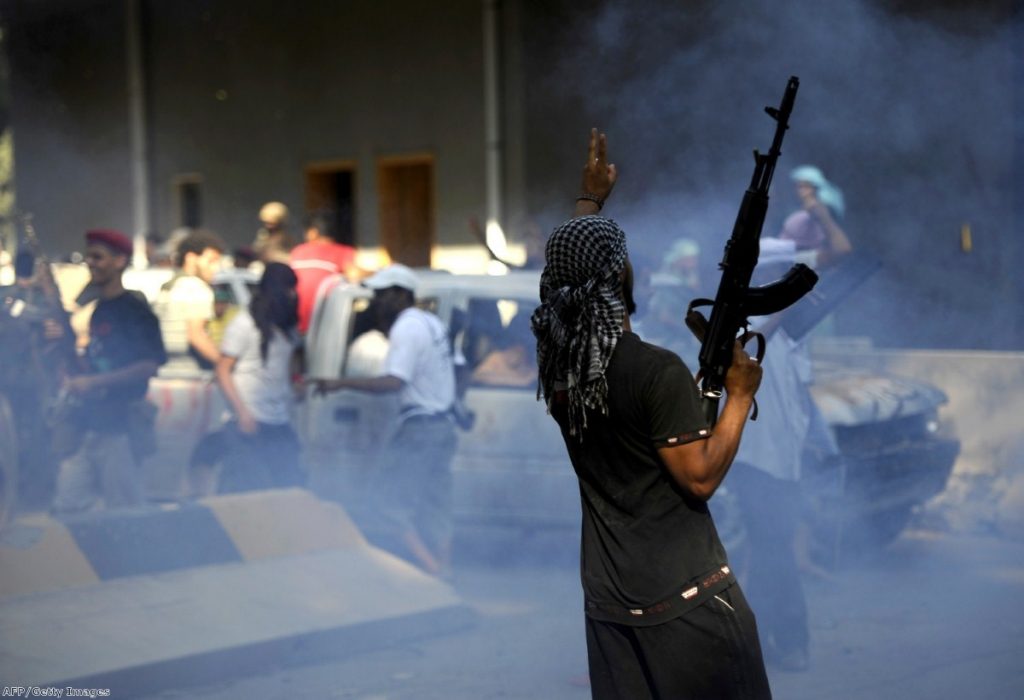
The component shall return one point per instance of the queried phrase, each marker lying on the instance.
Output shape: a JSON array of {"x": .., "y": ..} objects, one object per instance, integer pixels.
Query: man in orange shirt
[{"x": 317, "y": 259}]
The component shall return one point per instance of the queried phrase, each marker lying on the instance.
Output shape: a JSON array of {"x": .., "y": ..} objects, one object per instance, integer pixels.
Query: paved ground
[{"x": 933, "y": 617}]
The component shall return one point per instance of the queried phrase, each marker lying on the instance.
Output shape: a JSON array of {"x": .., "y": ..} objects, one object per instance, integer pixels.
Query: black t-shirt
[
  {"x": 644, "y": 537},
  {"x": 122, "y": 331}
]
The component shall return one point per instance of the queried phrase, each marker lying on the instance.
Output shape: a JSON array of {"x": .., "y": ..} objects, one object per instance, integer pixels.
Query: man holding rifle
[
  {"x": 665, "y": 617},
  {"x": 767, "y": 470}
]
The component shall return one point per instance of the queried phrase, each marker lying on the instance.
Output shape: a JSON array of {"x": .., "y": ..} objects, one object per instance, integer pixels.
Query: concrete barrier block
[
  {"x": 136, "y": 541},
  {"x": 283, "y": 522},
  {"x": 41, "y": 554}
]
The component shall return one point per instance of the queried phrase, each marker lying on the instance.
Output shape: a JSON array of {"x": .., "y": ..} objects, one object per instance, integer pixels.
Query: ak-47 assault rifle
[{"x": 736, "y": 300}]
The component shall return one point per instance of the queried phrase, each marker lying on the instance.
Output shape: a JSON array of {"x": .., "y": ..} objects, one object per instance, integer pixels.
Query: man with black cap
[
  {"x": 416, "y": 476},
  {"x": 125, "y": 349},
  {"x": 664, "y": 616}
]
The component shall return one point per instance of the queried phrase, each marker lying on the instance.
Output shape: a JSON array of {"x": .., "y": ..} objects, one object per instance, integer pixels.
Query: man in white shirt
[
  {"x": 767, "y": 469},
  {"x": 416, "y": 476},
  {"x": 185, "y": 303}
]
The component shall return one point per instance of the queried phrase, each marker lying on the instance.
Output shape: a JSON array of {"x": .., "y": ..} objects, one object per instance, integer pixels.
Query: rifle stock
[{"x": 782, "y": 293}]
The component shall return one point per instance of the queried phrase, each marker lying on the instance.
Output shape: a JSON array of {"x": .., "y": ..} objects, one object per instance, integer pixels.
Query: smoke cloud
[{"x": 912, "y": 115}]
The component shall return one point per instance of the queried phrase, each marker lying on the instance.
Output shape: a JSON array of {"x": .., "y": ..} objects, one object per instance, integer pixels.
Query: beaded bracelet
[{"x": 593, "y": 198}]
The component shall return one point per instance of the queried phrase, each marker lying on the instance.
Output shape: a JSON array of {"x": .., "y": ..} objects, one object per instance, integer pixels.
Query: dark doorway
[
  {"x": 406, "y": 189},
  {"x": 188, "y": 193},
  {"x": 331, "y": 187}
]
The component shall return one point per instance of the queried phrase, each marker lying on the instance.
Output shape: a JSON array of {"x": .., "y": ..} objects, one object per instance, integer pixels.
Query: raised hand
[{"x": 598, "y": 176}]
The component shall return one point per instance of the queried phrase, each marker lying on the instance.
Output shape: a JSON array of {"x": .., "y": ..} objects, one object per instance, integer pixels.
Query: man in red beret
[{"x": 125, "y": 349}]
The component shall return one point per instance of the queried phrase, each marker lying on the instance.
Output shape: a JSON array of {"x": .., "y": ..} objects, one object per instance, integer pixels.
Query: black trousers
[
  {"x": 413, "y": 486},
  {"x": 771, "y": 511},
  {"x": 710, "y": 653},
  {"x": 268, "y": 459}
]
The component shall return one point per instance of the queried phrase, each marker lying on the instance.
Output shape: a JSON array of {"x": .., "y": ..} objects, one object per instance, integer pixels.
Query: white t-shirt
[
  {"x": 774, "y": 442},
  {"x": 420, "y": 355},
  {"x": 265, "y": 388},
  {"x": 189, "y": 297},
  {"x": 366, "y": 355}
]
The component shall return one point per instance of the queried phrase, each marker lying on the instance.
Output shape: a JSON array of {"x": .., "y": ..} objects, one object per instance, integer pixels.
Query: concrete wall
[
  {"x": 245, "y": 94},
  {"x": 69, "y": 109}
]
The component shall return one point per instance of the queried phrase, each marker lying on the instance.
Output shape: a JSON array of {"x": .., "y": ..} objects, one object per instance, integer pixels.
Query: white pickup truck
[{"x": 511, "y": 469}]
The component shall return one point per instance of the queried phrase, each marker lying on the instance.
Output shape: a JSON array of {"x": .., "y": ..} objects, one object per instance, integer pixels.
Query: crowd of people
[
  {"x": 72, "y": 408},
  {"x": 92, "y": 403},
  {"x": 629, "y": 412}
]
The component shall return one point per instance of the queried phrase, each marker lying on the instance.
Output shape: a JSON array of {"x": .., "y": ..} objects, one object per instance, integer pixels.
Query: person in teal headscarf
[{"x": 814, "y": 227}]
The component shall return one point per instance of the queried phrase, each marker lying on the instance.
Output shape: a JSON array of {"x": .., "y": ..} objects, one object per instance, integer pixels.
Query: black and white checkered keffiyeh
[{"x": 579, "y": 320}]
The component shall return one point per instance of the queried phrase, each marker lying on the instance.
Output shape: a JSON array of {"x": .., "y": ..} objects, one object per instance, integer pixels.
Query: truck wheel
[{"x": 8, "y": 461}]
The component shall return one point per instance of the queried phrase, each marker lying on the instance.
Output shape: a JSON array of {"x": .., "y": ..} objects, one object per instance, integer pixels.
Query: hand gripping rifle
[{"x": 736, "y": 300}]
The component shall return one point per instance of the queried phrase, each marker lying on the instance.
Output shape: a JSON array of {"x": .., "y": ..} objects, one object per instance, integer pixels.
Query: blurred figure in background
[
  {"x": 673, "y": 286},
  {"x": 273, "y": 243},
  {"x": 185, "y": 302},
  {"x": 255, "y": 371},
  {"x": 165, "y": 253},
  {"x": 106, "y": 399},
  {"x": 209, "y": 452},
  {"x": 244, "y": 257},
  {"x": 157, "y": 254},
  {"x": 766, "y": 473},
  {"x": 811, "y": 234},
  {"x": 32, "y": 304},
  {"x": 415, "y": 478},
  {"x": 37, "y": 349},
  {"x": 320, "y": 257}
]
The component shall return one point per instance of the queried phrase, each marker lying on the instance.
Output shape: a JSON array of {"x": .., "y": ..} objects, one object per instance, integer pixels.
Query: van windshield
[{"x": 498, "y": 344}]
